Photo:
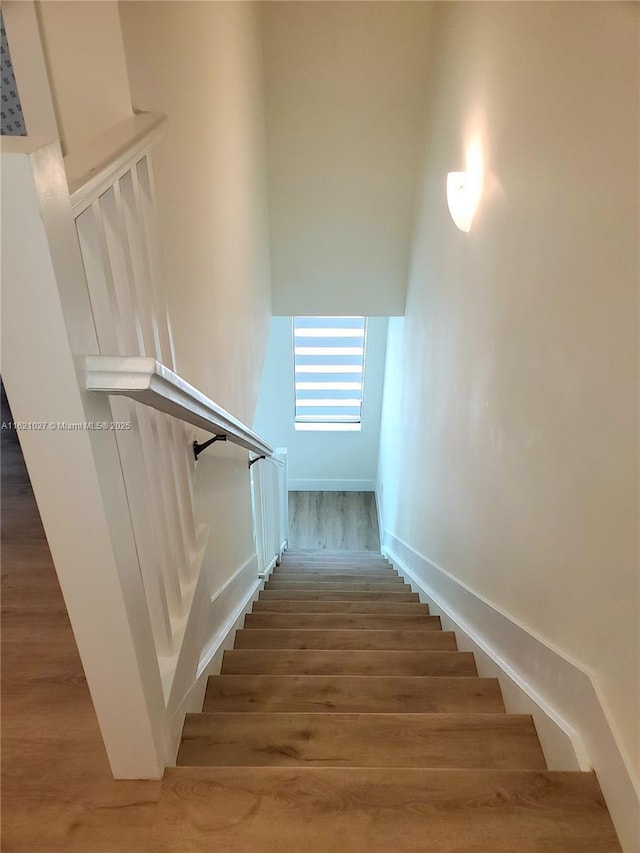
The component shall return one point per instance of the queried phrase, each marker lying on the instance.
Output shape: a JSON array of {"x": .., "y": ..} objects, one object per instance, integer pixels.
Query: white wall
[
  {"x": 84, "y": 54},
  {"x": 513, "y": 465},
  {"x": 201, "y": 64},
  {"x": 321, "y": 460},
  {"x": 345, "y": 84}
]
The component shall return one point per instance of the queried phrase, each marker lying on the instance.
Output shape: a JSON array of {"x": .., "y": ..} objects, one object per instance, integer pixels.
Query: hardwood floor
[
  {"x": 58, "y": 795},
  {"x": 390, "y": 810},
  {"x": 344, "y": 521},
  {"x": 344, "y": 721},
  {"x": 328, "y": 734}
]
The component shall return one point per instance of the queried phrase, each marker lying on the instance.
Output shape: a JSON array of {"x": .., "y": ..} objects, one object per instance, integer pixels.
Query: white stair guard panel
[
  {"x": 270, "y": 508},
  {"x": 107, "y": 429}
]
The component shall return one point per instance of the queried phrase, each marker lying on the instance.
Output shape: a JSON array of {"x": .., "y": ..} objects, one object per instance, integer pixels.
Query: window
[{"x": 328, "y": 357}]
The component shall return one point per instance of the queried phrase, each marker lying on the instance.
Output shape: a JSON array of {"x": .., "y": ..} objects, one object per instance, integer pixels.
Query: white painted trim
[
  {"x": 211, "y": 662},
  {"x": 29, "y": 65},
  {"x": 269, "y": 568},
  {"x": 218, "y": 638},
  {"x": 279, "y": 462},
  {"x": 144, "y": 379},
  {"x": 379, "y": 511},
  {"x": 248, "y": 562},
  {"x": 97, "y": 166},
  {"x": 332, "y": 485},
  {"x": 575, "y": 729}
]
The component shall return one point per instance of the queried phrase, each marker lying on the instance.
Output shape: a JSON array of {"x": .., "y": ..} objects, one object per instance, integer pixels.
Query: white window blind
[{"x": 329, "y": 371}]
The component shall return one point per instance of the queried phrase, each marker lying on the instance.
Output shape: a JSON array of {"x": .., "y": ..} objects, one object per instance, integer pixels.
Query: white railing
[
  {"x": 113, "y": 203},
  {"x": 153, "y": 386},
  {"x": 112, "y": 197},
  {"x": 270, "y": 508},
  {"x": 86, "y": 338},
  {"x": 147, "y": 381}
]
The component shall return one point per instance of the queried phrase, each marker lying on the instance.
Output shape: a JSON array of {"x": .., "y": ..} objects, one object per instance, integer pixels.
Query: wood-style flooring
[
  {"x": 337, "y": 728},
  {"x": 344, "y": 721},
  {"x": 334, "y": 521},
  {"x": 58, "y": 795}
]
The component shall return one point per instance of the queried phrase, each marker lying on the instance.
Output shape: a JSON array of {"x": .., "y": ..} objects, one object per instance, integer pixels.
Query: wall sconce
[
  {"x": 465, "y": 188},
  {"x": 463, "y": 195}
]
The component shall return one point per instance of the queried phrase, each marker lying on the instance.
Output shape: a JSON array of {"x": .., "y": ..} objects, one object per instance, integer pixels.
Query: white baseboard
[
  {"x": 332, "y": 485},
  {"x": 574, "y": 727},
  {"x": 379, "y": 511}
]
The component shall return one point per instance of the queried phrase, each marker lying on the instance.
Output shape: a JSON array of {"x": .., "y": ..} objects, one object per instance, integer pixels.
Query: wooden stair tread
[
  {"x": 337, "y": 595},
  {"x": 358, "y": 639},
  {"x": 505, "y": 741},
  {"x": 338, "y": 586},
  {"x": 382, "y": 569},
  {"x": 412, "y": 621},
  {"x": 320, "y": 606},
  {"x": 346, "y": 721},
  {"x": 334, "y": 569},
  {"x": 325, "y": 810},
  {"x": 352, "y": 694},
  {"x": 322, "y": 662},
  {"x": 338, "y": 556},
  {"x": 327, "y": 569},
  {"x": 324, "y": 578},
  {"x": 328, "y": 566}
]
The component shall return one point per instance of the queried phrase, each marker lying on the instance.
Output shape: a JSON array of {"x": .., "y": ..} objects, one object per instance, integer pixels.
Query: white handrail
[{"x": 147, "y": 381}]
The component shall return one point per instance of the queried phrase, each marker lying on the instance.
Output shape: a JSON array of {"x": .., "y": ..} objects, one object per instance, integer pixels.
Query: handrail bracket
[{"x": 198, "y": 448}]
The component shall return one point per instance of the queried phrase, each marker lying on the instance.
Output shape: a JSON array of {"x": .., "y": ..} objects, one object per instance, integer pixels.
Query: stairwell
[{"x": 345, "y": 720}]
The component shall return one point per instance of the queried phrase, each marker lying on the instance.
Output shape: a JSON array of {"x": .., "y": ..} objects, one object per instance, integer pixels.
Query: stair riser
[
  {"x": 335, "y": 607},
  {"x": 337, "y": 621},
  {"x": 334, "y": 568},
  {"x": 497, "y": 741},
  {"x": 302, "y": 595},
  {"x": 315, "y": 662},
  {"x": 333, "y": 577},
  {"x": 350, "y": 639},
  {"x": 339, "y": 564},
  {"x": 352, "y": 694},
  {"x": 337, "y": 586}
]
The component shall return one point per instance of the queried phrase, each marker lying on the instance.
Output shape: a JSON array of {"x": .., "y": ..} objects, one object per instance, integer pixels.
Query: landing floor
[
  {"x": 334, "y": 521},
  {"x": 58, "y": 795}
]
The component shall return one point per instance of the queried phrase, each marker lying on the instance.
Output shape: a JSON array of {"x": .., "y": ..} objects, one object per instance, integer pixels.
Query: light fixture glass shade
[{"x": 463, "y": 194}]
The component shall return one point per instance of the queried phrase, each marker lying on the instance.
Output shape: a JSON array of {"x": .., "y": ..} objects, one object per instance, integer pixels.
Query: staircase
[{"x": 346, "y": 721}]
